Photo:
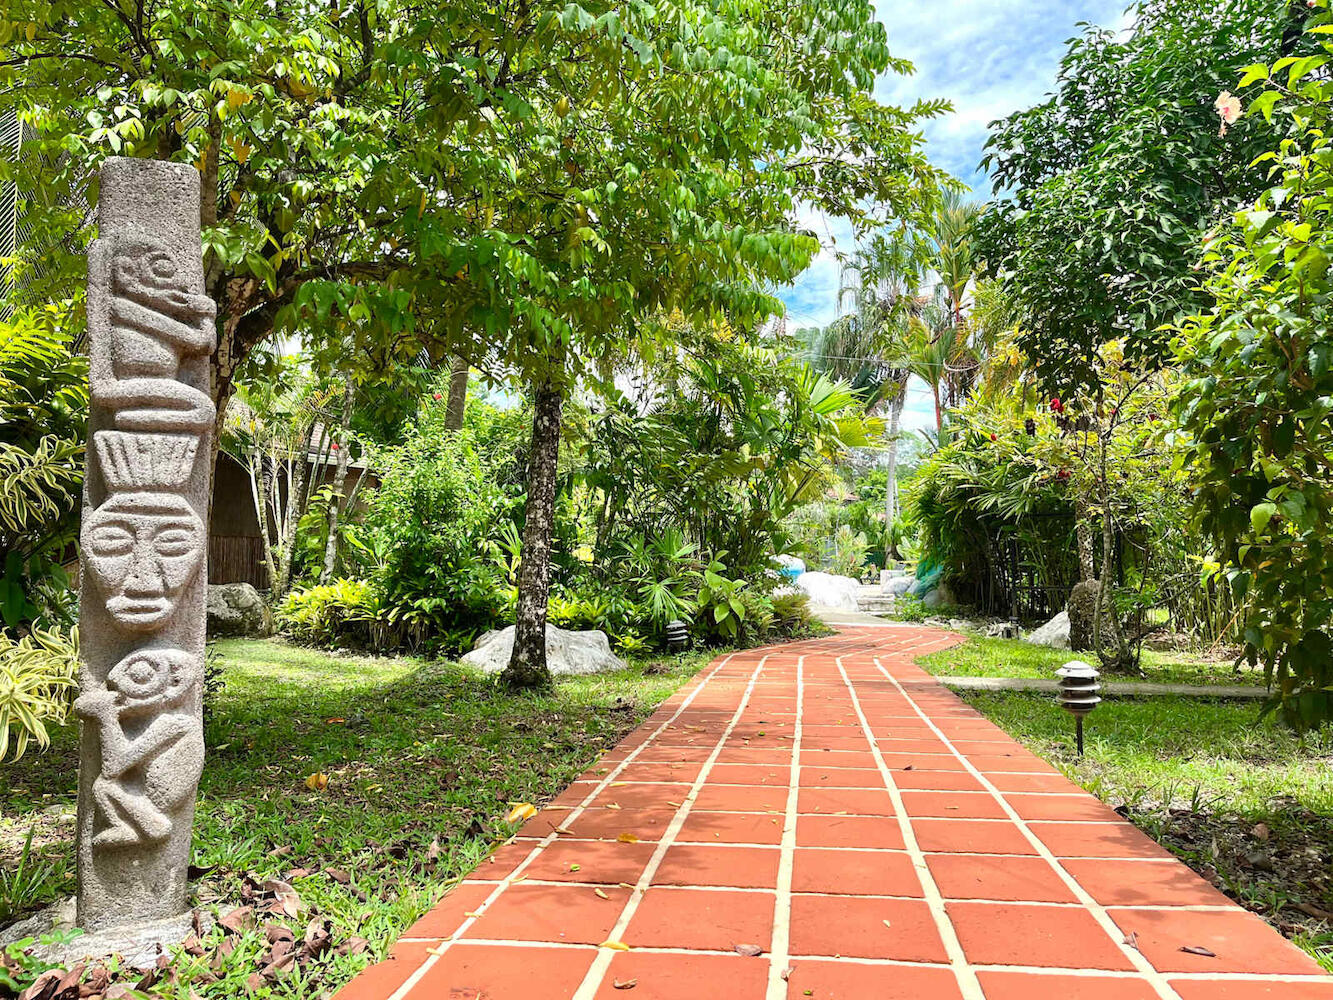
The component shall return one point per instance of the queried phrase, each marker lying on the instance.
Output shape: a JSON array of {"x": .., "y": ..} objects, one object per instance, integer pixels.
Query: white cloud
[{"x": 990, "y": 58}]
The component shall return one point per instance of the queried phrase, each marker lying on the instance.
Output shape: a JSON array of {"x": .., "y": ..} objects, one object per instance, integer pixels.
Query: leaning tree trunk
[
  {"x": 891, "y": 483},
  {"x": 457, "y": 405},
  {"x": 527, "y": 666},
  {"x": 337, "y": 502}
]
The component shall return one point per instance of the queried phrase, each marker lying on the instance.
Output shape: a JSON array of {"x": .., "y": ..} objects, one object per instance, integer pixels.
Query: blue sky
[{"x": 990, "y": 58}]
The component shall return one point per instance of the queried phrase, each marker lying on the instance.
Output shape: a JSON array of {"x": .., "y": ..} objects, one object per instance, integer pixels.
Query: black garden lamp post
[{"x": 1080, "y": 693}]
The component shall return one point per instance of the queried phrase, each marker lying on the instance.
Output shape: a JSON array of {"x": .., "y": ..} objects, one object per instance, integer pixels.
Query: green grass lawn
[
  {"x": 421, "y": 759},
  {"x": 1243, "y": 801},
  {"x": 980, "y": 657}
]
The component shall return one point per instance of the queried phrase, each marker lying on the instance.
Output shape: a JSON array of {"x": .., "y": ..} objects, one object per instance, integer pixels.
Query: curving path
[{"x": 833, "y": 805}]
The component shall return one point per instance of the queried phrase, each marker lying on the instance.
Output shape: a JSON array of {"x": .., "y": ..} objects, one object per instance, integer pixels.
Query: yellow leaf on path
[
  {"x": 471, "y": 913},
  {"x": 517, "y": 879},
  {"x": 625, "y": 885},
  {"x": 564, "y": 829},
  {"x": 317, "y": 782},
  {"x": 613, "y": 805},
  {"x": 614, "y": 945},
  {"x": 520, "y": 810},
  {"x": 628, "y": 838},
  {"x": 600, "y": 894}
]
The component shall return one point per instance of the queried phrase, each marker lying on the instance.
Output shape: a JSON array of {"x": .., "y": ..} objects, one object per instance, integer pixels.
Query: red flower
[
  {"x": 994, "y": 438},
  {"x": 1062, "y": 475},
  {"x": 335, "y": 445},
  {"x": 437, "y": 396},
  {"x": 1056, "y": 405}
]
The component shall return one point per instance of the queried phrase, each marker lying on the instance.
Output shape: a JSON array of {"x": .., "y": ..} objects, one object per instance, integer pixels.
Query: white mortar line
[
  {"x": 968, "y": 984},
  {"x": 780, "y": 946},
  {"x": 592, "y": 980},
  {"x": 1156, "y": 979},
  {"x": 551, "y": 837}
]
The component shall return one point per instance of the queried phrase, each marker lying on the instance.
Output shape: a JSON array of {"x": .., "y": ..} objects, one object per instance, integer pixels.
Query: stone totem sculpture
[{"x": 145, "y": 544}]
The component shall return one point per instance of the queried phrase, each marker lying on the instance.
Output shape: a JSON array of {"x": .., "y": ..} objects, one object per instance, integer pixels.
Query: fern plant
[{"x": 38, "y": 680}]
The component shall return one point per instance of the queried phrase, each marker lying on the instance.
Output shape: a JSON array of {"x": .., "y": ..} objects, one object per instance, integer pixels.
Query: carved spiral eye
[
  {"x": 161, "y": 267},
  {"x": 112, "y": 540},
  {"x": 139, "y": 677},
  {"x": 174, "y": 542}
]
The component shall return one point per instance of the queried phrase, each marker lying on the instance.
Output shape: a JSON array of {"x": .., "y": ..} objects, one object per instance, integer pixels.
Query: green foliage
[
  {"x": 441, "y": 523},
  {"x": 342, "y": 613},
  {"x": 38, "y": 681},
  {"x": 849, "y": 552},
  {"x": 1117, "y": 177},
  {"x": 1260, "y": 394},
  {"x": 43, "y": 414}
]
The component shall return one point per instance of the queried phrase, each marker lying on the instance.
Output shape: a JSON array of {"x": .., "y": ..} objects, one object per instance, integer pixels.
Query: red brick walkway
[{"x": 831, "y": 804}]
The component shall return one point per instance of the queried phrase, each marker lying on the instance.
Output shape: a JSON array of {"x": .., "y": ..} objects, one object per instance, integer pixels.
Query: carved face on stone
[
  {"x": 152, "y": 675},
  {"x": 142, "y": 550}
]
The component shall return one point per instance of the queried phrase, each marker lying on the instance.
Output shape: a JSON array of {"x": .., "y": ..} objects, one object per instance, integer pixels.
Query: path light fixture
[
  {"x": 677, "y": 636},
  {"x": 1080, "y": 693}
]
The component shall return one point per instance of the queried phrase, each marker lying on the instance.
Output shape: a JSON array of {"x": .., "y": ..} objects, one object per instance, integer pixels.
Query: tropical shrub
[
  {"x": 38, "y": 682},
  {"x": 1259, "y": 400},
  {"x": 342, "y": 613}
]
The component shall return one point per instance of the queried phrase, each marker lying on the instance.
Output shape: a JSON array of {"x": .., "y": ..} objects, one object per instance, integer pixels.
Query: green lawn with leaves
[
  {"x": 981, "y": 657},
  {"x": 422, "y": 761},
  {"x": 1242, "y": 800}
]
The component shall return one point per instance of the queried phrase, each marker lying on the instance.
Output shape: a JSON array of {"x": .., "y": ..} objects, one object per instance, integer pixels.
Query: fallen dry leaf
[
  {"x": 625, "y": 984},
  {"x": 338, "y": 875},
  {"x": 600, "y": 894},
  {"x": 1261, "y": 832},
  {"x": 471, "y": 913},
  {"x": 520, "y": 811},
  {"x": 628, "y": 838},
  {"x": 317, "y": 782},
  {"x": 614, "y": 945},
  {"x": 565, "y": 830},
  {"x": 748, "y": 950},
  {"x": 1194, "y": 949},
  {"x": 613, "y": 805}
]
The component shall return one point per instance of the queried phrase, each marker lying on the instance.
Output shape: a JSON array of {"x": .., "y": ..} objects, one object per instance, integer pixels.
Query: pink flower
[{"x": 1228, "y": 108}]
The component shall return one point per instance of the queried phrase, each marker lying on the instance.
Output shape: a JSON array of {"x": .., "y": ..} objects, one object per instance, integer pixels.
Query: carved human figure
[
  {"x": 155, "y": 323},
  {"x": 144, "y": 550},
  {"x": 152, "y": 744}
]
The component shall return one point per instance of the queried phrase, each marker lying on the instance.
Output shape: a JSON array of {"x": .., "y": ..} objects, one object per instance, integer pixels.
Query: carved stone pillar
[{"x": 145, "y": 544}]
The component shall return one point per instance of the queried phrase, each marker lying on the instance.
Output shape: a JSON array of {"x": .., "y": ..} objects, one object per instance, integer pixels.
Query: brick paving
[{"x": 830, "y": 803}]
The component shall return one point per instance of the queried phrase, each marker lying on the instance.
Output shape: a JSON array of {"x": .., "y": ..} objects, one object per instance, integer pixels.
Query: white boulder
[
  {"x": 839, "y": 593},
  {"x": 566, "y": 652},
  {"x": 1055, "y": 633}
]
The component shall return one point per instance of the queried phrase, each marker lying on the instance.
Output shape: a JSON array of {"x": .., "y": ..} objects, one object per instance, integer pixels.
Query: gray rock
[
  {"x": 940, "y": 597},
  {"x": 1055, "y": 633},
  {"x": 139, "y": 945},
  {"x": 1002, "y": 630},
  {"x": 236, "y": 609},
  {"x": 899, "y": 585},
  {"x": 144, "y": 545},
  {"x": 566, "y": 652},
  {"x": 837, "y": 593}
]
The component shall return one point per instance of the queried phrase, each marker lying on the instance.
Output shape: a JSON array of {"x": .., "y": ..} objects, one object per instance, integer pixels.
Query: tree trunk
[
  {"x": 457, "y": 405},
  {"x": 1087, "y": 569},
  {"x": 1116, "y": 655},
  {"x": 891, "y": 484},
  {"x": 527, "y": 666},
  {"x": 337, "y": 501},
  {"x": 298, "y": 497}
]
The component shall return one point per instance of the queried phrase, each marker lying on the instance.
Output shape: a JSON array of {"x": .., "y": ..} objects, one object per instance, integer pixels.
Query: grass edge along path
[
  {"x": 1245, "y": 803},
  {"x": 342, "y": 796}
]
